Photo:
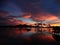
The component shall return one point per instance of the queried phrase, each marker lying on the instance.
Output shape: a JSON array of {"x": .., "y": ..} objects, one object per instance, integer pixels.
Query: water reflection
[
  {"x": 29, "y": 34},
  {"x": 17, "y": 31}
]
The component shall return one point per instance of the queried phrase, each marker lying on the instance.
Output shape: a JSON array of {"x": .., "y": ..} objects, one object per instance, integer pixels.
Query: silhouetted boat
[{"x": 56, "y": 34}]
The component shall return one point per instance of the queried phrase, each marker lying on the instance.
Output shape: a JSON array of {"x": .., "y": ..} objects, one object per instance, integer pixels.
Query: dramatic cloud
[
  {"x": 26, "y": 15},
  {"x": 5, "y": 20},
  {"x": 13, "y": 21},
  {"x": 10, "y": 21},
  {"x": 32, "y": 10},
  {"x": 44, "y": 17}
]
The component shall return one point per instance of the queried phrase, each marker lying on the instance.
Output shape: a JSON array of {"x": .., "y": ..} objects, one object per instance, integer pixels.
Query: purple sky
[{"x": 47, "y": 10}]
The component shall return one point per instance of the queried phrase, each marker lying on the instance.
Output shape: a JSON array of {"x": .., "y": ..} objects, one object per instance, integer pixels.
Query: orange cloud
[
  {"x": 20, "y": 22},
  {"x": 26, "y": 15},
  {"x": 13, "y": 21},
  {"x": 47, "y": 17}
]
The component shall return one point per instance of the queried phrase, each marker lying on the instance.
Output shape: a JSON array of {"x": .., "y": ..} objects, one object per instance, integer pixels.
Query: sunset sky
[{"x": 29, "y": 11}]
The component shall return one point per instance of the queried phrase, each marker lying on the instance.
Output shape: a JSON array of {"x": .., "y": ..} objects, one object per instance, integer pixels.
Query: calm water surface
[
  {"x": 34, "y": 34},
  {"x": 28, "y": 32}
]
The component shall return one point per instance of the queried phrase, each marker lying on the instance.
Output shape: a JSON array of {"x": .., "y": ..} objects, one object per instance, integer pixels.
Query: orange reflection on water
[
  {"x": 22, "y": 31},
  {"x": 32, "y": 30},
  {"x": 43, "y": 37},
  {"x": 46, "y": 29},
  {"x": 16, "y": 31}
]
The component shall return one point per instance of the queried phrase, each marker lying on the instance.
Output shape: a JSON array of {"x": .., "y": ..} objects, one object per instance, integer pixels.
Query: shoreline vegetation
[{"x": 27, "y": 26}]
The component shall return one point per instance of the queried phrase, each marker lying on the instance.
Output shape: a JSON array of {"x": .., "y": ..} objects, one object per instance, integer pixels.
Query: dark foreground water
[{"x": 22, "y": 36}]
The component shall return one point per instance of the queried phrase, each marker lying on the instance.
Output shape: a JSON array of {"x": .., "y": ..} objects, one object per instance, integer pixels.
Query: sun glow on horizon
[{"x": 57, "y": 24}]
